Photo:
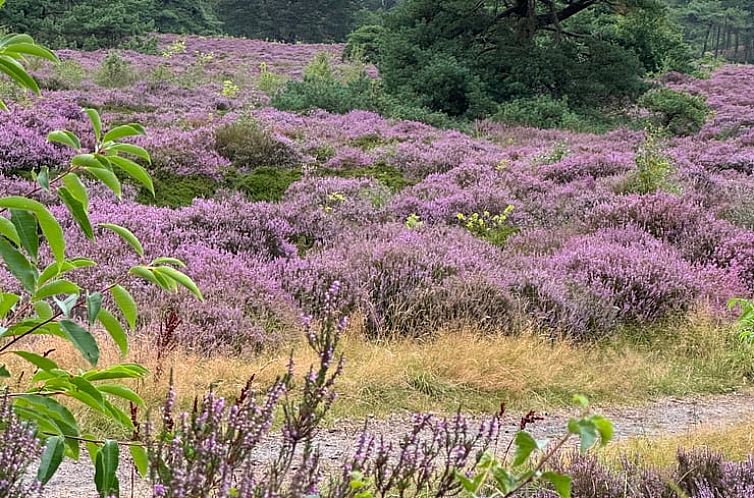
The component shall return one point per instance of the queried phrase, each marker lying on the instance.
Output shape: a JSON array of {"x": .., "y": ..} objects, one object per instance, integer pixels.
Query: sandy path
[{"x": 664, "y": 417}]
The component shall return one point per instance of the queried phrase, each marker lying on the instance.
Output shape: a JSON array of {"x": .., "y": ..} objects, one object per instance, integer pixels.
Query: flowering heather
[
  {"x": 586, "y": 256},
  {"x": 699, "y": 474},
  {"x": 19, "y": 448}
]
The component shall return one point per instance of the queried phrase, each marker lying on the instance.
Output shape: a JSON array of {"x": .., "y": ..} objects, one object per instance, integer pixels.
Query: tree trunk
[
  {"x": 706, "y": 39},
  {"x": 717, "y": 40}
]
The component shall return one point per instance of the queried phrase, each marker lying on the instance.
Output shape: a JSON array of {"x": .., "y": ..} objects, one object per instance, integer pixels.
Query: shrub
[
  {"x": 678, "y": 112},
  {"x": 593, "y": 283},
  {"x": 249, "y": 145},
  {"x": 19, "y": 448},
  {"x": 269, "y": 82},
  {"x": 654, "y": 168},
  {"x": 364, "y": 44},
  {"x": 115, "y": 72},
  {"x": 66, "y": 75},
  {"x": 264, "y": 184},
  {"x": 539, "y": 112},
  {"x": 329, "y": 94},
  {"x": 177, "y": 191}
]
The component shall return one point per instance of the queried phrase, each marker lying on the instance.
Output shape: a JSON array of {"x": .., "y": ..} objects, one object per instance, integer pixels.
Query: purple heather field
[{"x": 586, "y": 257}]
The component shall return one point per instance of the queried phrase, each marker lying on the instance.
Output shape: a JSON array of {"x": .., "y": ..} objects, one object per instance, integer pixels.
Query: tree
[
  {"x": 289, "y": 20},
  {"x": 509, "y": 49}
]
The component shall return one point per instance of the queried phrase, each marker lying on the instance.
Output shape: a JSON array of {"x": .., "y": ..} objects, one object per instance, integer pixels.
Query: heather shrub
[
  {"x": 410, "y": 281},
  {"x": 237, "y": 226},
  {"x": 679, "y": 113},
  {"x": 594, "y": 282},
  {"x": 19, "y": 449},
  {"x": 248, "y": 145},
  {"x": 696, "y": 474},
  {"x": 115, "y": 72},
  {"x": 320, "y": 209}
]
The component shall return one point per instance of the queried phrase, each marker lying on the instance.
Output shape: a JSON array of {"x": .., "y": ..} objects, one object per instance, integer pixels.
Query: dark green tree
[
  {"x": 289, "y": 20},
  {"x": 462, "y": 57}
]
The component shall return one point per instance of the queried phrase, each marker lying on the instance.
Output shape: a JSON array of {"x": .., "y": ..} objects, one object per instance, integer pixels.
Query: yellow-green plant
[{"x": 494, "y": 228}]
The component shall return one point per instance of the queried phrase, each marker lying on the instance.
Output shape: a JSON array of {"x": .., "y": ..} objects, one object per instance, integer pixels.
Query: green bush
[
  {"x": 176, "y": 191},
  {"x": 329, "y": 94},
  {"x": 365, "y": 44},
  {"x": 66, "y": 75},
  {"x": 248, "y": 145},
  {"x": 115, "y": 72},
  {"x": 264, "y": 184},
  {"x": 678, "y": 112},
  {"x": 538, "y": 112},
  {"x": 654, "y": 169}
]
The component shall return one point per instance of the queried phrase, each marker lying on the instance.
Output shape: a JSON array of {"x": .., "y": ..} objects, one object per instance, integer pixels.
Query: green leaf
[
  {"x": 560, "y": 482},
  {"x": 7, "y": 302},
  {"x": 145, "y": 273},
  {"x": 19, "y": 266},
  {"x": 108, "y": 178},
  {"x": 51, "y": 459},
  {"x": 4, "y": 373},
  {"x": 106, "y": 468},
  {"x": 43, "y": 310},
  {"x": 587, "y": 432},
  {"x": 126, "y": 235},
  {"x": 17, "y": 73},
  {"x": 78, "y": 211},
  {"x": 92, "y": 449},
  {"x": 93, "y": 307},
  {"x": 96, "y": 122},
  {"x": 604, "y": 428},
  {"x": 504, "y": 479},
  {"x": 38, "y": 361},
  {"x": 57, "y": 269},
  {"x": 122, "y": 371},
  {"x": 8, "y": 229},
  {"x": 525, "y": 446},
  {"x": 87, "y": 161},
  {"x": 30, "y": 49},
  {"x": 132, "y": 149},
  {"x": 135, "y": 171},
  {"x": 43, "y": 178},
  {"x": 50, "y": 227},
  {"x": 121, "y": 392},
  {"x": 55, "y": 288},
  {"x": 581, "y": 401},
  {"x": 67, "y": 304},
  {"x": 26, "y": 227},
  {"x": 82, "y": 339},
  {"x": 182, "y": 279},
  {"x": 73, "y": 183},
  {"x": 92, "y": 392},
  {"x": 168, "y": 261},
  {"x": 64, "y": 137},
  {"x": 126, "y": 304},
  {"x": 113, "y": 327},
  {"x": 140, "y": 460},
  {"x": 123, "y": 131}
]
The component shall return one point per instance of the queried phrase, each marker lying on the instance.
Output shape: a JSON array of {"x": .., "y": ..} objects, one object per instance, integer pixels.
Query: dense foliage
[
  {"x": 464, "y": 58},
  {"x": 91, "y": 24}
]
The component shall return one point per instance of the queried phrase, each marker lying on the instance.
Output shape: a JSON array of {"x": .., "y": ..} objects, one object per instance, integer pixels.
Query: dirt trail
[{"x": 663, "y": 417}]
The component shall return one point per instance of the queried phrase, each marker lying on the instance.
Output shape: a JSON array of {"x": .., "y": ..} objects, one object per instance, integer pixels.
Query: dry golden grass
[
  {"x": 467, "y": 369},
  {"x": 735, "y": 442}
]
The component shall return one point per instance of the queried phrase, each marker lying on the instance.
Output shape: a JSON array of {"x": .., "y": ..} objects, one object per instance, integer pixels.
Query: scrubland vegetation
[{"x": 213, "y": 248}]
